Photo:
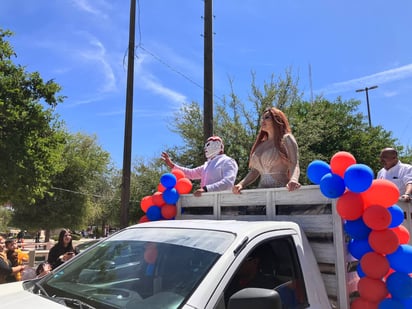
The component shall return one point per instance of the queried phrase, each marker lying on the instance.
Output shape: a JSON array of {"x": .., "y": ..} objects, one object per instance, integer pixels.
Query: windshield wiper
[{"x": 72, "y": 301}]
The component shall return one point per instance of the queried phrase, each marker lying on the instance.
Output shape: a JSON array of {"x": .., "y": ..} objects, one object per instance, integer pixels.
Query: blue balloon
[
  {"x": 389, "y": 303},
  {"x": 168, "y": 180},
  {"x": 359, "y": 247},
  {"x": 397, "y": 216},
  {"x": 407, "y": 302},
  {"x": 399, "y": 285},
  {"x": 332, "y": 185},
  {"x": 358, "y": 177},
  {"x": 357, "y": 229},
  {"x": 359, "y": 270},
  {"x": 154, "y": 213},
  {"x": 316, "y": 170},
  {"x": 171, "y": 196},
  {"x": 401, "y": 259}
]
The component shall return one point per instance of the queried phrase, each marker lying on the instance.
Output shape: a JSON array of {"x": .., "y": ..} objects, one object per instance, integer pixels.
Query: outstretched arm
[{"x": 165, "y": 157}]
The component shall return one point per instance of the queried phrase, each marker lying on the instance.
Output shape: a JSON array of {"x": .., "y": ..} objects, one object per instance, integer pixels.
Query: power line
[
  {"x": 77, "y": 192},
  {"x": 140, "y": 45},
  {"x": 175, "y": 70},
  {"x": 86, "y": 194}
]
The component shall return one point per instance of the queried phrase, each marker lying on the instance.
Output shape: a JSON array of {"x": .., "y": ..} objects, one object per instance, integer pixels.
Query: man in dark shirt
[{"x": 251, "y": 275}]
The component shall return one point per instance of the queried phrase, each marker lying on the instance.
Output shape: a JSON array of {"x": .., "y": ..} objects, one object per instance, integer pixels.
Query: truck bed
[{"x": 314, "y": 213}]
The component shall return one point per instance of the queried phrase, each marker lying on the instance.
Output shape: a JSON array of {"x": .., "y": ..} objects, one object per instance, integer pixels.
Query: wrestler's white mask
[{"x": 213, "y": 147}]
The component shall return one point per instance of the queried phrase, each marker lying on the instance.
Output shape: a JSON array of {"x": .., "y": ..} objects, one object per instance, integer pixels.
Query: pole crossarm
[{"x": 366, "y": 89}]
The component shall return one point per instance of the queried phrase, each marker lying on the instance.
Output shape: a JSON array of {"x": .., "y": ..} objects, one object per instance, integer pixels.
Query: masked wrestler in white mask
[{"x": 218, "y": 173}]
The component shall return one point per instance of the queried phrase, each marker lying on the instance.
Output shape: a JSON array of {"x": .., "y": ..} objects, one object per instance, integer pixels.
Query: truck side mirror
[{"x": 255, "y": 298}]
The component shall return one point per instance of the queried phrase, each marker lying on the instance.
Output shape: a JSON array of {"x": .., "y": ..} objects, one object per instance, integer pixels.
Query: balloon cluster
[
  {"x": 162, "y": 204},
  {"x": 372, "y": 220}
]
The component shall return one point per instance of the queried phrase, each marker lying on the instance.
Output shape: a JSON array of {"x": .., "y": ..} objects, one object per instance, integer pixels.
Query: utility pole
[
  {"x": 366, "y": 89},
  {"x": 208, "y": 72},
  {"x": 127, "y": 152}
]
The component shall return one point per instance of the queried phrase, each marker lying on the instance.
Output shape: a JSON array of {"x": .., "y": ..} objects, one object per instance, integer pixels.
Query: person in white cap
[{"x": 218, "y": 173}]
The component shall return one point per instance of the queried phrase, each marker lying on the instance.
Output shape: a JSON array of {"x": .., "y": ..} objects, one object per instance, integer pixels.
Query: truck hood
[{"x": 12, "y": 295}]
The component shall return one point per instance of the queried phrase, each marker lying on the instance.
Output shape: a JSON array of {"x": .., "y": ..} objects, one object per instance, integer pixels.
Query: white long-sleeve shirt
[{"x": 217, "y": 174}]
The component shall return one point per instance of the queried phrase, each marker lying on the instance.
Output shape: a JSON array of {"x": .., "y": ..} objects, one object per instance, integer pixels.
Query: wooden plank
[
  {"x": 331, "y": 284},
  {"x": 324, "y": 252},
  {"x": 310, "y": 223}
]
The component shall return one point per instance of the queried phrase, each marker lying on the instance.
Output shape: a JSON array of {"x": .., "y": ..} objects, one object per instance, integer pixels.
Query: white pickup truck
[{"x": 265, "y": 248}]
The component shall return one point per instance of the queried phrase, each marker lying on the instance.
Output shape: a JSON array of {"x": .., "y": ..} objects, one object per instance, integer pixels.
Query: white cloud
[
  {"x": 380, "y": 78},
  {"x": 149, "y": 81},
  {"x": 84, "y": 5},
  {"x": 161, "y": 90},
  {"x": 98, "y": 54}
]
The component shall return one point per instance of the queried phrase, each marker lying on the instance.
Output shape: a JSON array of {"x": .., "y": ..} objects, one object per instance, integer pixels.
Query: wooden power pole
[
  {"x": 127, "y": 152},
  {"x": 208, "y": 72}
]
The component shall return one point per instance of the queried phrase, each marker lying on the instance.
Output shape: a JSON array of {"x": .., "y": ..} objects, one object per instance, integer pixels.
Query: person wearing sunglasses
[{"x": 274, "y": 155}]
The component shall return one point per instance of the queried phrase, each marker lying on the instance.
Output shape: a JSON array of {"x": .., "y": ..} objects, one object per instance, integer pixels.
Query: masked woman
[{"x": 274, "y": 155}]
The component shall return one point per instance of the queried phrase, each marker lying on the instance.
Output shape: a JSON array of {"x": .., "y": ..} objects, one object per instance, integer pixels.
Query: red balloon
[
  {"x": 158, "y": 199},
  {"x": 383, "y": 242},
  {"x": 169, "y": 211},
  {"x": 183, "y": 186},
  {"x": 144, "y": 219},
  {"x": 161, "y": 188},
  {"x": 340, "y": 161},
  {"x": 178, "y": 173},
  {"x": 150, "y": 253},
  {"x": 374, "y": 265},
  {"x": 377, "y": 217},
  {"x": 381, "y": 192},
  {"x": 350, "y": 205},
  {"x": 403, "y": 234},
  {"x": 360, "y": 303},
  {"x": 146, "y": 202},
  {"x": 372, "y": 290}
]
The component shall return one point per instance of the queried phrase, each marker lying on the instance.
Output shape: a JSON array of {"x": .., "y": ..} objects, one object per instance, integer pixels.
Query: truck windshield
[{"x": 137, "y": 268}]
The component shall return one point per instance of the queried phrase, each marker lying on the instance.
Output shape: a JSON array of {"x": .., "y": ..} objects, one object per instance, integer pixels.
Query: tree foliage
[
  {"x": 31, "y": 138},
  {"x": 75, "y": 194},
  {"x": 321, "y": 128}
]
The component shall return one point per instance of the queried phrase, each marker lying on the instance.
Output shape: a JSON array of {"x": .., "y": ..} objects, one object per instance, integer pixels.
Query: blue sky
[{"x": 82, "y": 45}]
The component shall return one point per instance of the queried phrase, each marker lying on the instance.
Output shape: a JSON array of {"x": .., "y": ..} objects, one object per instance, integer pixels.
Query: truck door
[{"x": 270, "y": 264}]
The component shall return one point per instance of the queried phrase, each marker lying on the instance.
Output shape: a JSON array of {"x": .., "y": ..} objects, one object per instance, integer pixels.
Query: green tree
[
  {"x": 31, "y": 139},
  {"x": 5, "y": 218},
  {"x": 75, "y": 192},
  {"x": 321, "y": 128},
  {"x": 236, "y": 122}
]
